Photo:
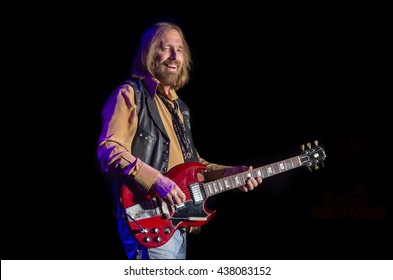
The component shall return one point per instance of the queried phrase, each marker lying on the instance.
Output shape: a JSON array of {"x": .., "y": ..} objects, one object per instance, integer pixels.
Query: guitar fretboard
[{"x": 237, "y": 180}]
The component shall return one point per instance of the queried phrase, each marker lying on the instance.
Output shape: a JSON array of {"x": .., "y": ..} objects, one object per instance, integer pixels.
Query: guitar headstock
[{"x": 313, "y": 156}]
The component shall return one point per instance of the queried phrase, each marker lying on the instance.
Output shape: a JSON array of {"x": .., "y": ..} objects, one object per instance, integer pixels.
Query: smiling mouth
[{"x": 172, "y": 68}]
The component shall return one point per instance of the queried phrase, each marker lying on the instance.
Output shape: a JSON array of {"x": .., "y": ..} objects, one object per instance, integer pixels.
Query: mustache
[{"x": 171, "y": 63}]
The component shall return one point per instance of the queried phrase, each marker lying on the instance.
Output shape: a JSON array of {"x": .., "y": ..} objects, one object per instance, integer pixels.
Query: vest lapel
[{"x": 152, "y": 107}]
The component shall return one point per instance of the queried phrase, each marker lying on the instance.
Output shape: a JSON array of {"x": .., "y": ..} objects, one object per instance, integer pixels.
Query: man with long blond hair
[{"x": 143, "y": 137}]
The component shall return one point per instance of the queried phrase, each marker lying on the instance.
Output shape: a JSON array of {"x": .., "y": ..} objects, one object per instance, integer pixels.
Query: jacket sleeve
[{"x": 119, "y": 125}]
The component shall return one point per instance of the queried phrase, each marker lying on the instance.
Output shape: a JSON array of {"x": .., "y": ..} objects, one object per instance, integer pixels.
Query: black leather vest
[{"x": 151, "y": 142}]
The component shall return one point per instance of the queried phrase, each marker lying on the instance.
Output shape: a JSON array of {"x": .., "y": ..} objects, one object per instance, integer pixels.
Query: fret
[
  {"x": 295, "y": 161},
  {"x": 276, "y": 168},
  {"x": 226, "y": 183},
  {"x": 232, "y": 181},
  {"x": 242, "y": 178},
  {"x": 288, "y": 164},
  {"x": 245, "y": 177},
  {"x": 215, "y": 188},
  {"x": 212, "y": 187},
  {"x": 221, "y": 187},
  {"x": 264, "y": 172},
  {"x": 298, "y": 162},
  {"x": 229, "y": 182},
  {"x": 220, "y": 184},
  {"x": 208, "y": 189},
  {"x": 282, "y": 166},
  {"x": 258, "y": 172},
  {"x": 269, "y": 170}
]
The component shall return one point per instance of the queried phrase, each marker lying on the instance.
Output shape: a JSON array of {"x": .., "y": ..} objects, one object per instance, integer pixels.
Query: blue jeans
[{"x": 175, "y": 248}]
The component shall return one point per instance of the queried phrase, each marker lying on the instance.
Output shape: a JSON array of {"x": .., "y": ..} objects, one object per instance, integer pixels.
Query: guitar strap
[{"x": 182, "y": 134}]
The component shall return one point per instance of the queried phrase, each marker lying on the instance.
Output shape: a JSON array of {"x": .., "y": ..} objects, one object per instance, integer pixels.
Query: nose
[{"x": 172, "y": 55}]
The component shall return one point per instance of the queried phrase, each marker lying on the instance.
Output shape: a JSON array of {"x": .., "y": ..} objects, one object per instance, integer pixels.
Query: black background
[{"x": 264, "y": 81}]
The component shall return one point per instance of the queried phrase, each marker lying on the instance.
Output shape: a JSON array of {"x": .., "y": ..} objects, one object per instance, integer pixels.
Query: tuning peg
[
  {"x": 308, "y": 145},
  {"x": 316, "y": 142},
  {"x": 323, "y": 165},
  {"x": 316, "y": 167},
  {"x": 302, "y": 147},
  {"x": 309, "y": 169}
]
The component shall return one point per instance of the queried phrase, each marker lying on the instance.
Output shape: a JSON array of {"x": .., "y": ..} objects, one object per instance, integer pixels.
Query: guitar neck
[{"x": 237, "y": 180}]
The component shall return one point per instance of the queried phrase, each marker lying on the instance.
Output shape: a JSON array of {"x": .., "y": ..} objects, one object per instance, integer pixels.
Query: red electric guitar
[{"x": 153, "y": 222}]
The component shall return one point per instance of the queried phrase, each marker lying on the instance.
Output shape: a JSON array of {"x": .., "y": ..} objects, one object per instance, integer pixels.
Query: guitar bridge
[{"x": 180, "y": 207}]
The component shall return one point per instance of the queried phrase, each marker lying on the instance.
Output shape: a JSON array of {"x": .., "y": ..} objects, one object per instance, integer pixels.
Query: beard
[{"x": 164, "y": 76}]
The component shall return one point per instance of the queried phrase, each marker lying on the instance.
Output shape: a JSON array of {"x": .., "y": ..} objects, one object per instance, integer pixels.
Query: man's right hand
[{"x": 169, "y": 191}]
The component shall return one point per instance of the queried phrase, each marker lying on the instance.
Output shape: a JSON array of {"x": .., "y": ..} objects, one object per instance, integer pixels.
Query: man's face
[{"x": 169, "y": 58}]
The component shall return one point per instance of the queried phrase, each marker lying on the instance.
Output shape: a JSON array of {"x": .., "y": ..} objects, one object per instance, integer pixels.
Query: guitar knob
[
  {"x": 155, "y": 230},
  {"x": 167, "y": 230},
  {"x": 157, "y": 239},
  {"x": 144, "y": 230},
  {"x": 146, "y": 239}
]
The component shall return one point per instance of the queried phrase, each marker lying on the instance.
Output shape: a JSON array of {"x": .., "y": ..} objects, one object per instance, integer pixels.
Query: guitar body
[{"x": 153, "y": 222}]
